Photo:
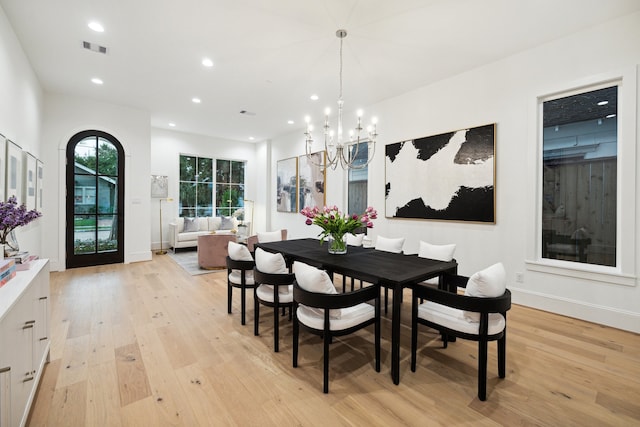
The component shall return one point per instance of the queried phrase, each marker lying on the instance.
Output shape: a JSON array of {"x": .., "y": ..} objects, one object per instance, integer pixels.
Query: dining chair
[
  {"x": 478, "y": 315},
  {"x": 393, "y": 245},
  {"x": 240, "y": 266},
  {"x": 274, "y": 288},
  {"x": 437, "y": 252},
  {"x": 321, "y": 310},
  {"x": 265, "y": 237}
]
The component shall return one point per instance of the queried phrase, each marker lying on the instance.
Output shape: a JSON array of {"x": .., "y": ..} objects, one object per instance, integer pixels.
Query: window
[
  {"x": 358, "y": 181},
  {"x": 580, "y": 177},
  {"x": 197, "y": 187},
  {"x": 229, "y": 187}
]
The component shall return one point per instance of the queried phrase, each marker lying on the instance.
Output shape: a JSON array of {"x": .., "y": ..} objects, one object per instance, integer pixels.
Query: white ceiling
[{"x": 271, "y": 55}]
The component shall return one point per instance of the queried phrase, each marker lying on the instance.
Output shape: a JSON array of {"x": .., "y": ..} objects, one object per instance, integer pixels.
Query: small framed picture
[{"x": 159, "y": 186}]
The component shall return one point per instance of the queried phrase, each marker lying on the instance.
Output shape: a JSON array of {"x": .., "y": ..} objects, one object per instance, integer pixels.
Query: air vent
[
  {"x": 94, "y": 47},
  {"x": 247, "y": 113}
]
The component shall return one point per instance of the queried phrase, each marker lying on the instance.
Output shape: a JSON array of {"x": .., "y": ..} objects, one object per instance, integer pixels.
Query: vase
[
  {"x": 337, "y": 245},
  {"x": 11, "y": 246}
]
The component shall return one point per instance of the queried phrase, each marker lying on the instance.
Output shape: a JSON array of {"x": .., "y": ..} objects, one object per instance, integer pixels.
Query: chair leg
[
  {"x": 377, "y": 336},
  {"x": 229, "y": 294},
  {"x": 276, "y": 328},
  {"x": 482, "y": 370},
  {"x": 502, "y": 356},
  {"x": 386, "y": 300},
  {"x": 414, "y": 333},
  {"x": 243, "y": 303},
  {"x": 326, "y": 341},
  {"x": 296, "y": 331},
  {"x": 256, "y": 315}
]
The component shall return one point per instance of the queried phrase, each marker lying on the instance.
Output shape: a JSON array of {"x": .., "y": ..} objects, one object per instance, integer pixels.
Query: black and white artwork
[
  {"x": 287, "y": 191},
  {"x": 311, "y": 177},
  {"x": 443, "y": 177}
]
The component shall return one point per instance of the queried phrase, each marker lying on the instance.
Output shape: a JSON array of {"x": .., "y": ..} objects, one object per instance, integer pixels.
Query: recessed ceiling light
[
  {"x": 603, "y": 102},
  {"x": 171, "y": 124},
  {"x": 97, "y": 81},
  {"x": 290, "y": 122},
  {"x": 96, "y": 26},
  {"x": 196, "y": 100},
  {"x": 314, "y": 97},
  {"x": 207, "y": 62},
  {"x": 251, "y": 138}
]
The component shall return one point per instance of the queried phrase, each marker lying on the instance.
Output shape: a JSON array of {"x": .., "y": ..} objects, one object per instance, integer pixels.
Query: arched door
[{"x": 95, "y": 200}]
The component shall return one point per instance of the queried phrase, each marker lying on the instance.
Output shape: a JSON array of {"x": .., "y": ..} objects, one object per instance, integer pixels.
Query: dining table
[{"x": 380, "y": 268}]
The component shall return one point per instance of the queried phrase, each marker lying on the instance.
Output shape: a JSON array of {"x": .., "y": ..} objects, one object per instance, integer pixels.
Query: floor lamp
[
  {"x": 162, "y": 251},
  {"x": 245, "y": 215}
]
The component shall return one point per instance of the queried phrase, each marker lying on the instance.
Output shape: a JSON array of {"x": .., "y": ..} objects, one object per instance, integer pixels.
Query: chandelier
[{"x": 337, "y": 150}]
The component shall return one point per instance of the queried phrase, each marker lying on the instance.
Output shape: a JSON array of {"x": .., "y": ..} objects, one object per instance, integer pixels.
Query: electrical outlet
[{"x": 519, "y": 277}]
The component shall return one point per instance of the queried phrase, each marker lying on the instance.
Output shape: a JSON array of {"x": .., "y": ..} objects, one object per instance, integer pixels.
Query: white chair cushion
[
  {"x": 313, "y": 279},
  {"x": 350, "y": 316},
  {"x": 437, "y": 252},
  {"x": 238, "y": 252},
  {"x": 285, "y": 293},
  {"x": 389, "y": 245},
  {"x": 269, "y": 236},
  {"x": 488, "y": 283},
  {"x": 354, "y": 239},
  {"x": 236, "y": 277},
  {"x": 457, "y": 320},
  {"x": 271, "y": 263}
]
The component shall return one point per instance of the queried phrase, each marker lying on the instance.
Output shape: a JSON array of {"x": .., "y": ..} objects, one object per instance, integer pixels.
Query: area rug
[{"x": 188, "y": 260}]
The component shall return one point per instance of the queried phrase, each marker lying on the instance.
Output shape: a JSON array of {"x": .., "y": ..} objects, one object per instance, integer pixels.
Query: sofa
[{"x": 184, "y": 232}]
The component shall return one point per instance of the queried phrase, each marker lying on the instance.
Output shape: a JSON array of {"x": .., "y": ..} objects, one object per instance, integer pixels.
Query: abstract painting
[
  {"x": 287, "y": 186},
  {"x": 443, "y": 177},
  {"x": 311, "y": 179}
]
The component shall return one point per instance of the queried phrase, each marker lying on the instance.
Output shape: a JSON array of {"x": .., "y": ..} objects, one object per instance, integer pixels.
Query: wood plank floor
[{"x": 146, "y": 344}]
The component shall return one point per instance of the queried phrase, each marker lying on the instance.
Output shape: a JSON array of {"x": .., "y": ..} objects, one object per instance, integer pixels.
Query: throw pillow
[
  {"x": 271, "y": 263},
  {"x": 389, "y": 245},
  {"x": 238, "y": 252},
  {"x": 227, "y": 223},
  {"x": 313, "y": 279},
  {"x": 354, "y": 239},
  {"x": 269, "y": 236},
  {"x": 488, "y": 283},
  {"x": 190, "y": 224},
  {"x": 437, "y": 252}
]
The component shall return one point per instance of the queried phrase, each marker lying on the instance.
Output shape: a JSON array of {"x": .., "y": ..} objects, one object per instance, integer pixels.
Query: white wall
[
  {"x": 166, "y": 147},
  {"x": 20, "y": 115},
  {"x": 505, "y": 93},
  {"x": 64, "y": 116}
]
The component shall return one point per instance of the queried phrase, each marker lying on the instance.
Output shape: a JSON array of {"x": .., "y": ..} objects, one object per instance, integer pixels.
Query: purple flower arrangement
[
  {"x": 336, "y": 224},
  {"x": 13, "y": 216}
]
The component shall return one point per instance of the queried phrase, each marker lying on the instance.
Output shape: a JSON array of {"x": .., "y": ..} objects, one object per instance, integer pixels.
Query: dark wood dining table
[{"x": 395, "y": 271}]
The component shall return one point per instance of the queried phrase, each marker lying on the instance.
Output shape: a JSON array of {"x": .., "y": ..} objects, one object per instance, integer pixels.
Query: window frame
[{"x": 624, "y": 272}]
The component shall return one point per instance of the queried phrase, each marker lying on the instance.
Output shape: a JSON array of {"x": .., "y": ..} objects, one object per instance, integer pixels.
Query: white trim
[
  {"x": 616, "y": 318},
  {"x": 580, "y": 271}
]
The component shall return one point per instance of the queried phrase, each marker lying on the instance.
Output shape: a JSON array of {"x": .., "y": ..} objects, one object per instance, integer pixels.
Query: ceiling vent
[
  {"x": 247, "y": 113},
  {"x": 94, "y": 47}
]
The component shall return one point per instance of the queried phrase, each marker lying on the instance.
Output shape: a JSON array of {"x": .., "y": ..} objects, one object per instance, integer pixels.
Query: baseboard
[
  {"x": 137, "y": 256},
  {"x": 620, "y": 319}
]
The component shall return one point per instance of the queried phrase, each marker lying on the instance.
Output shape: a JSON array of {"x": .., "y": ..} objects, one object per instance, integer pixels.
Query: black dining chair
[
  {"x": 272, "y": 290},
  {"x": 239, "y": 275},
  {"x": 334, "y": 314},
  {"x": 475, "y": 318}
]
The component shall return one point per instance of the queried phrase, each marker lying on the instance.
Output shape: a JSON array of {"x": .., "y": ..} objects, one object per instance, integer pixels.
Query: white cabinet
[{"x": 24, "y": 340}]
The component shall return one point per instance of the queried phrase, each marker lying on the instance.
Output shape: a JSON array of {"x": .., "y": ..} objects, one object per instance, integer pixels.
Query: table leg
[{"x": 395, "y": 335}]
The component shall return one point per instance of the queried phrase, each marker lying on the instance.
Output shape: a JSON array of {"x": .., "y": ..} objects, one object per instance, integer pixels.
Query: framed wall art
[
  {"x": 160, "y": 186},
  {"x": 13, "y": 185},
  {"x": 30, "y": 164},
  {"x": 39, "y": 182},
  {"x": 287, "y": 185},
  {"x": 443, "y": 177},
  {"x": 3, "y": 165},
  {"x": 311, "y": 180}
]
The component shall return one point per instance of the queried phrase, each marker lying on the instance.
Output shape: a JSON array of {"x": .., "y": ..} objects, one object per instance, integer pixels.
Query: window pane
[
  {"x": 187, "y": 168},
  {"x": 205, "y": 170},
  {"x": 580, "y": 177},
  {"x": 187, "y": 198},
  {"x": 223, "y": 171},
  {"x": 222, "y": 195},
  {"x": 237, "y": 172},
  {"x": 358, "y": 182},
  {"x": 85, "y": 155},
  {"x": 84, "y": 234},
  {"x": 107, "y": 195},
  {"x": 107, "y": 158},
  {"x": 205, "y": 194},
  {"x": 107, "y": 233}
]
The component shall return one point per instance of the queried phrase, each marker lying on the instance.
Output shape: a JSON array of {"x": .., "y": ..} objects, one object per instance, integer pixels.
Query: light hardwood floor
[{"x": 146, "y": 344}]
